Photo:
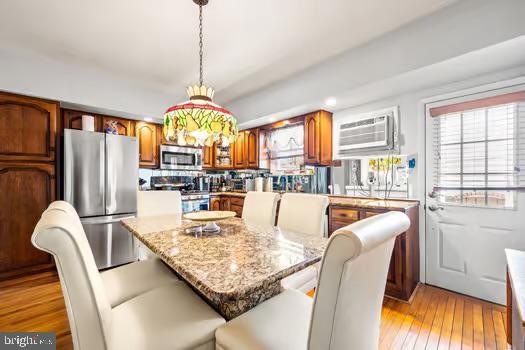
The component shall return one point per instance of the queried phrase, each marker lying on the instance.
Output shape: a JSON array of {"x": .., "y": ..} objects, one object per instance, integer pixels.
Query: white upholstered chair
[
  {"x": 303, "y": 213},
  {"x": 260, "y": 207},
  {"x": 124, "y": 282},
  {"x": 170, "y": 316},
  {"x": 346, "y": 311},
  {"x": 156, "y": 203}
]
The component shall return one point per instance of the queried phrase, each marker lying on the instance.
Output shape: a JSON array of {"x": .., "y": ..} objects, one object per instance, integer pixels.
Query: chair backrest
[
  {"x": 260, "y": 207},
  {"x": 347, "y": 305},
  {"x": 303, "y": 213},
  {"x": 154, "y": 203},
  {"x": 88, "y": 308}
]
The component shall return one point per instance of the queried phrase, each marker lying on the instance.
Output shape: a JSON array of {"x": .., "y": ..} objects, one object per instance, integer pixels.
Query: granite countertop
[
  {"x": 234, "y": 270},
  {"x": 349, "y": 201},
  {"x": 516, "y": 269}
]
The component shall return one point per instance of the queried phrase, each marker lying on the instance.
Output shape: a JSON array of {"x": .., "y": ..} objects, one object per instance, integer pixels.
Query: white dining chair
[
  {"x": 346, "y": 310},
  {"x": 127, "y": 281},
  {"x": 260, "y": 208},
  {"x": 306, "y": 214},
  {"x": 170, "y": 316},
  {"x": 156, "y": 203}
]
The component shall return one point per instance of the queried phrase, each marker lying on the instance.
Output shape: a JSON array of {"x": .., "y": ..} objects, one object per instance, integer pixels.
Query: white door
[{"x": 474, "y": 209}]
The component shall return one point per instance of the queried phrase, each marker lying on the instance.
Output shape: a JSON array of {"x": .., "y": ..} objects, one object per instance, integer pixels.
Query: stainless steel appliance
[
  {"x": 180, "y": 158},
  {"x": 195, "y": 201},
  {"x": 100, "y": 181}
]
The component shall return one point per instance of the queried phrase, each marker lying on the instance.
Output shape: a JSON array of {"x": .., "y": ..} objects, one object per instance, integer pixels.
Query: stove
[{"x": 194, "y": 200}]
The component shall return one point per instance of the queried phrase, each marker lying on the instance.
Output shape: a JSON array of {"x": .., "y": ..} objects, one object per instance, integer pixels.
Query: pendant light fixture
[{"x": 199, "y": 121}]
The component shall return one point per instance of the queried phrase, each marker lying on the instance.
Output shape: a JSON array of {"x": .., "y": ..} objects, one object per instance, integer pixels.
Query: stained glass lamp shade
[{"x": 199, "y": 121}]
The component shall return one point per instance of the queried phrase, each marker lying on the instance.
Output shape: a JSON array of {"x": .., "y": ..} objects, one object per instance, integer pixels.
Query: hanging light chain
[{"x": 200, "y": 46}]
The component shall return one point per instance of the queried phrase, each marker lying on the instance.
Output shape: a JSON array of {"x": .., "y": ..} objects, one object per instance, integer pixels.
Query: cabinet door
[
  {"x": 28, "y": 128},
  {"x": 225, "y": 204},
  {"x": 251, "y": 141},
  {"x": 73, "y": 119},
  {"x": 215, "y": 204},
  {"x": 124, "y": 126},
  {"x": 27, "y": 189},
  {"x": 147, "y": 136},
  {"x": 311, "y": 139},
  {"x": 207, "y": 157},
  {"x": 239, "y": 153}
]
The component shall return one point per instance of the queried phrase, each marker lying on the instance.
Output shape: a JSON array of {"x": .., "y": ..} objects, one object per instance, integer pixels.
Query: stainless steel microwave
[{"x": 180, "y": 158}]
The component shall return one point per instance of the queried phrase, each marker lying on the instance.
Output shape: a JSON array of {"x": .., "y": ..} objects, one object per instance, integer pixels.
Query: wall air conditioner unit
[{"x": 360, "y": 134}]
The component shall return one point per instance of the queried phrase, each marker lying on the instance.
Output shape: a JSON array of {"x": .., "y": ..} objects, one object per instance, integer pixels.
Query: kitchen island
[
  {"x": 235, "y": 270},
  {"x": 403, "y": 274}
]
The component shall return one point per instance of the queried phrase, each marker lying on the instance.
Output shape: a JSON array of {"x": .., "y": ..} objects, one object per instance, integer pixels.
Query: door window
[{"x": 479, "y": 152}]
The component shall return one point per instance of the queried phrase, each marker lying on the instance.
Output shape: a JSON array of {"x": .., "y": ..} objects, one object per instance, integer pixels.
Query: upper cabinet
[
  {"x": 148, "y": 136},
  {"x": 73, "y": 119},
  {"x": 239, "y": 158},
  {"x": 124, "y": 127},
  {"x": 207, "y": 157},
  {"x": 318, "y": 138},
  {"x": 251, "y": 144},
  {"x": 246, "y": 149},
  {"x": 28, "y": 128}
]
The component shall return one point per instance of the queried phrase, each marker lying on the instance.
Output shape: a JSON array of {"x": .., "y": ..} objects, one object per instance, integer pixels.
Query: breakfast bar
[{"x": 234, "y": 270}]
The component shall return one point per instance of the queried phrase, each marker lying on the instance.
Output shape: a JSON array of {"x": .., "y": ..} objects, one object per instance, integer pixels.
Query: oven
[
  {"x": 195, "y": 202},
  {"x": 180, "y": 158}
]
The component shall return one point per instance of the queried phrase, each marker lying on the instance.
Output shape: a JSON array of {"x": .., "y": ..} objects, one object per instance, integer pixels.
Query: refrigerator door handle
[{"x": 102, "y": 167}]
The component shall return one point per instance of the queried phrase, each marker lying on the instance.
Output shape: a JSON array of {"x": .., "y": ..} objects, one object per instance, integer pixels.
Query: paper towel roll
[
  {"x": 259, "y": 184},
  {"x": 88, "y": 123}
]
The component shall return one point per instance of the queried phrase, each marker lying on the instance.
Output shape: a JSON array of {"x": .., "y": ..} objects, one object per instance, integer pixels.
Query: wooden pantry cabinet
[
  {"x": 246, "y": 155},
  {"x": 28, "y": 156}
]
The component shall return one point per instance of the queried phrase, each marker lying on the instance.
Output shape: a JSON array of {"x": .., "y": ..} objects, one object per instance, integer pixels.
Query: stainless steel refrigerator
[{"x": 100, "y": 181}]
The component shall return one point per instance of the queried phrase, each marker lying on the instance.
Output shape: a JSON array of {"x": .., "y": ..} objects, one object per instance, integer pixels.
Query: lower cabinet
[
  {"x": 27, "y": 189},
  {"x": 403, "y": 273},
  {"x": 227, "y": 203}
]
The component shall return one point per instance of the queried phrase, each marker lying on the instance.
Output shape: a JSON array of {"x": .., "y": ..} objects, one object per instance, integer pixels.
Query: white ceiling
[{"x": 249, "y": 44}]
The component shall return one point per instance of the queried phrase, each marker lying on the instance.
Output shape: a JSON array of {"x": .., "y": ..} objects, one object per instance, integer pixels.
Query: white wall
[
  {"x": 29, "y": 73},
  {"x": 464, "y": 27}
]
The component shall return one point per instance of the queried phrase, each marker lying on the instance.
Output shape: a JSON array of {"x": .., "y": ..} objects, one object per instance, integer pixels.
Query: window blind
[{"x": 479, "y": 153}]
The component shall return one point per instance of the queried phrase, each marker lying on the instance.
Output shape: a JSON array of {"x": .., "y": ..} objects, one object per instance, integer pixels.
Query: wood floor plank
[
  {"x": 437, "y": 324},
  {"x": 448, "y": 322},
  {"x": 499, "y": 330},
  {"x": 436, "y": 318},
  {"x": 457, "y": 326},
  {"x": 477, "y": 322}
]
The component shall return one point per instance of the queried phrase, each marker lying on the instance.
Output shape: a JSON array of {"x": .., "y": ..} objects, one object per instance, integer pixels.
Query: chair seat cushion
[
  {"x": 304, "y": 280},
  {"x": 281, "y": 322},
  {"x": 168, "y": 317},
  {"x": 127, "y": 281}
]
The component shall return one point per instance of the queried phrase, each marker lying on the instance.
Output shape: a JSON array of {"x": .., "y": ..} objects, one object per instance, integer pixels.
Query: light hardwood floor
[{"x": 436, "y": 319}]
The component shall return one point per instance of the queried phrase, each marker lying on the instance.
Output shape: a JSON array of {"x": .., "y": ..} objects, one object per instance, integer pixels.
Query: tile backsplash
[{"x": 147, "y": 174}]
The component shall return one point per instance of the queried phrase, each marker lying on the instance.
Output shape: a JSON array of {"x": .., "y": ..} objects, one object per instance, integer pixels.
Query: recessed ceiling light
[
  {"x": 331, "y": 101},
  {"x": 147, "y": 119}
]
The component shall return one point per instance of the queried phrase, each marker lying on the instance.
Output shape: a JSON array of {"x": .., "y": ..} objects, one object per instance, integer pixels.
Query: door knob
[{"x": 434, "y": 207}]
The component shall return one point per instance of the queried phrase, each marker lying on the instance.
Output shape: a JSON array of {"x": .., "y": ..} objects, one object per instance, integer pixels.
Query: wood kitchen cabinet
[
  {"x": 225, "y": 203},
  {"x": 28, "y": 156},
  {"x": 27, "y": 189},
  {"x": 215, "y": 203},
  {"x": 148, "y": 136},
  {"x": 125, "y": 127},
  {"x": 246, "y": 149},
  {"x": 207, "y": 157},
  {"x": 403, "y": 273},
  {"x": 318, "y": 138},
  {"x": 28, "y": 128},
  {"x": 72, "y": 119},
  {"x": 236, "y": 205}
]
